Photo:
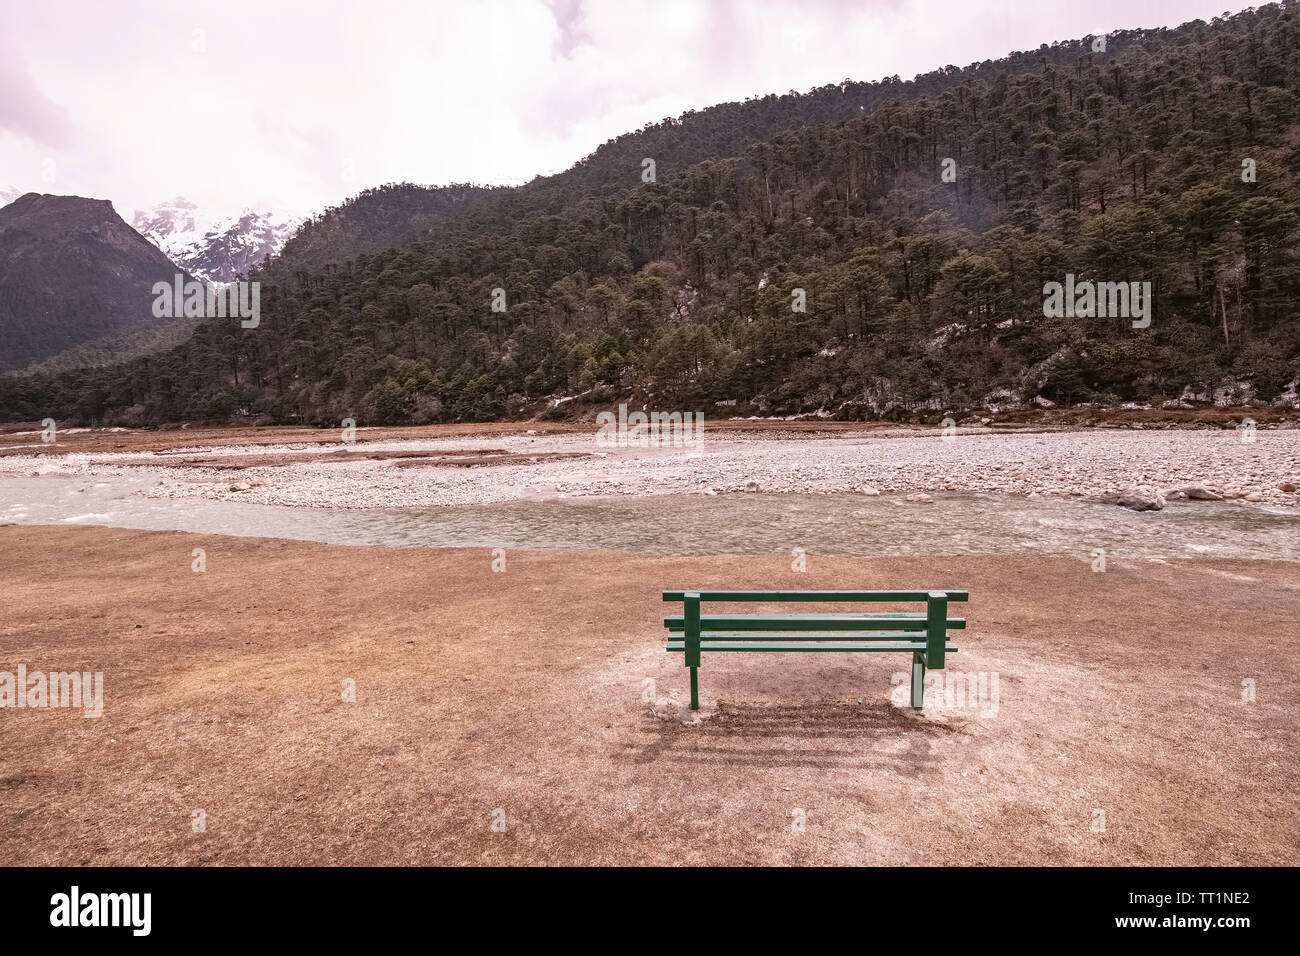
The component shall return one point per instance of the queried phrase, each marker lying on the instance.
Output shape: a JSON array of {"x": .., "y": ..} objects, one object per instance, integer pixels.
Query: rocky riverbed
[{"x": 460, "y": 469}]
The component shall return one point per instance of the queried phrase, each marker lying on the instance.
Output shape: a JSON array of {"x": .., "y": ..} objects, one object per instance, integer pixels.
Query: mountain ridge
[{"x": 683, "y": 139}]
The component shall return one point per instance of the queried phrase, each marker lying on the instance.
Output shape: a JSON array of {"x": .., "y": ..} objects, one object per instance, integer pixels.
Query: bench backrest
[{"x": 777, "y": 597}]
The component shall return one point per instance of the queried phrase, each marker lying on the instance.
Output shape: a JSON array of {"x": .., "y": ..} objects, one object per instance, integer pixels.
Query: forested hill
[
  {"x": 1169, "y": 158},
  {"x": 377, "y": 219},
  {"x": 394, "y": 214}
]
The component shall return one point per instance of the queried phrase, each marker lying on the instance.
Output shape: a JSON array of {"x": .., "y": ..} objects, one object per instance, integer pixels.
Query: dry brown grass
[{"x": 523, "y": 690}]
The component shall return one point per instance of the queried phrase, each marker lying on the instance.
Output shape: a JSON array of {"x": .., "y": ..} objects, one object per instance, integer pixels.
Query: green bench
[{"x": 923, "y": 634}]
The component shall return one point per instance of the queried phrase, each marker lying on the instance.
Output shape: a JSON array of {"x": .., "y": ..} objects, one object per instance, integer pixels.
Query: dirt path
[{"x": 523, "y": 690}]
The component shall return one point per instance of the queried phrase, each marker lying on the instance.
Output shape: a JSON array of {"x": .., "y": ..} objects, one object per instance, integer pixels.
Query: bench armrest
[
  {"x": 691, "y": 627},
  {"x": 936, "y": 623}
]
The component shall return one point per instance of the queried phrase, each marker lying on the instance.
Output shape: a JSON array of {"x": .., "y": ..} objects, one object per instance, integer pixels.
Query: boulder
[
  {"x": 869, "y": 490},
  {"x": 1193, "y": 490},
  {"x": 1141, "y": 498},
  {"x": 1286, "y": 486},
  {"x": 920, "y": 496}
]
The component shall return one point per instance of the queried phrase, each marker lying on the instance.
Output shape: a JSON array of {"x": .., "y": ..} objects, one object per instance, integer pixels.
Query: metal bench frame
[{"x": 924, "y": 635}]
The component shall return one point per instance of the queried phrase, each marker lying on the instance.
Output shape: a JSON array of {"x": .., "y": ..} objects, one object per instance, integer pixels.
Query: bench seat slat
[
  {"x": 810, "y": 622},
  {"x": 840, "y": 646},
  {"x": 849, "y": 596}
]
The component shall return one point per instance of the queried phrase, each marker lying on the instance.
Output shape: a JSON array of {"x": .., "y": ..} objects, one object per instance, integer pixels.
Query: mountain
[
  {"x": 72, "y": 272},
  {"x": 865, "y": 250},
  {"x": 216, "y": 250}
]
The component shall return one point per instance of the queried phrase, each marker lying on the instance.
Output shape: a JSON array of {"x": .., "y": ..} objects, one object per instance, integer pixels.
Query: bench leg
[
  {"x": 918, "y": 681},
  {"x": 691, "y": 638}
]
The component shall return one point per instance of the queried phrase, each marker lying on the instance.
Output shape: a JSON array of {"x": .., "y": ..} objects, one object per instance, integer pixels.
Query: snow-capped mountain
[{"x": 214, "y": 250}]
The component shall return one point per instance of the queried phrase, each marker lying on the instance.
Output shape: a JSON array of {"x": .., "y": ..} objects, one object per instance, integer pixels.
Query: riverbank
[
  {"x": 524, "y": 691},
  {"x": 467, "y": 465}
]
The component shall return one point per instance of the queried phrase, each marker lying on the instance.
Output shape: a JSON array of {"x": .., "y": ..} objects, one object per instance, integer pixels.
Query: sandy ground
[
  {"x": 455, "y": 465},
  {"x": 528, "y": 692}
]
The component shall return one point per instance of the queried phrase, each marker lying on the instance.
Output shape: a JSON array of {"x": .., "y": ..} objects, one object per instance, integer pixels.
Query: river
[{"x": 831, "y": 524}]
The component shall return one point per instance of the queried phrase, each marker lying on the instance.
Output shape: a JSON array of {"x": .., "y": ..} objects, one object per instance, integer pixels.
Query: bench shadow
[{"x": 819, "y": 735}]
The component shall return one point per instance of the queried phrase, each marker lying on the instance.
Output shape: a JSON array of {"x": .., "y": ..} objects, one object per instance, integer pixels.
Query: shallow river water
[{"x": 692, "y": 525}]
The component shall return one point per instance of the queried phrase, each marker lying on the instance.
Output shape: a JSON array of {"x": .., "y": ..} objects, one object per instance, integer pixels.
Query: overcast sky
[{"x": 293, "y": 106}]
